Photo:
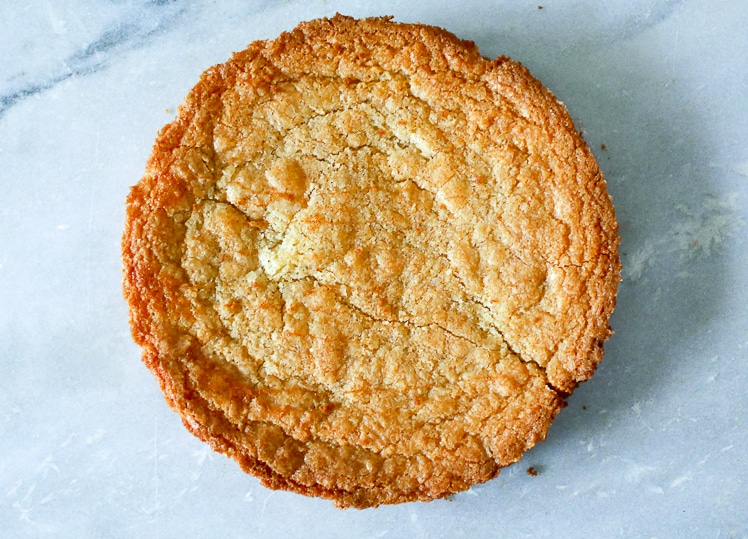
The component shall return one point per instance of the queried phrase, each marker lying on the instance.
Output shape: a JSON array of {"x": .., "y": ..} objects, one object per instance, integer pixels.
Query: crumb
[
  {"x": 603, "y": 147},
  {"x": 584, "y": 407},
  {"x": 532, "y": 471},
  {"x": 540, "y": 7}
]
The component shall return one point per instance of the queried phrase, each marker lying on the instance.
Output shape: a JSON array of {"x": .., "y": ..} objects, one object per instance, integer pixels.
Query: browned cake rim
[{"x": 151, "y": 290}]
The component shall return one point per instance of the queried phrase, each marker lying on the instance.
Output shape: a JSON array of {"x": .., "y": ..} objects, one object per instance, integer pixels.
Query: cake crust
[{"x": 368, "y": 263}]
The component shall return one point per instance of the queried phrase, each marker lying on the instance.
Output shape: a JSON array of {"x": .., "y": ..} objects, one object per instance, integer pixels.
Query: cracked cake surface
[{"x": 368, "y": 263}]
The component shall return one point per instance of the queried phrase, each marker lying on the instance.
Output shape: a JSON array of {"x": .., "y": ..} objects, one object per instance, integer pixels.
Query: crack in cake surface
[{"x": 345, "y": 151}]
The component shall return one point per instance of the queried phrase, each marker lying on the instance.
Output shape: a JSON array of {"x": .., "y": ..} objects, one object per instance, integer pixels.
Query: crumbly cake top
[{"x": 368, "y": 263}]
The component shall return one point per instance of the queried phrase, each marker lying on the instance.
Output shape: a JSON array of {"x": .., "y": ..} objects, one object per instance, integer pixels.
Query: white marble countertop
[{"x": 655, "y": 445}]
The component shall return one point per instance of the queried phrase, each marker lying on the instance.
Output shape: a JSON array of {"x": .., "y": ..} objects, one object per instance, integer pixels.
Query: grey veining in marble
[
  {"x": 119, "y": 32},
  {"x": 655, "y": 445}
]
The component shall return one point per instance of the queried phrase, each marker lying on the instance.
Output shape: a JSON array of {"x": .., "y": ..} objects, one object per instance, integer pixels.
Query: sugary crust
[{"x": 369, "y": 264}]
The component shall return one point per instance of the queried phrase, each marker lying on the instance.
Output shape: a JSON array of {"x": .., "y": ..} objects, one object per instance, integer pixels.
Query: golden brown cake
[{"x": 368, "y": 263}]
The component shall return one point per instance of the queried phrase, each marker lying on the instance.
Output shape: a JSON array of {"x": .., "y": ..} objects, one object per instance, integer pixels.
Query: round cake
[{"x": 369, "y": 264}]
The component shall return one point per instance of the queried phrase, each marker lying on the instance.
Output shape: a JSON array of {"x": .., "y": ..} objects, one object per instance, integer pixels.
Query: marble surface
[{"x": 655, "y": 445}]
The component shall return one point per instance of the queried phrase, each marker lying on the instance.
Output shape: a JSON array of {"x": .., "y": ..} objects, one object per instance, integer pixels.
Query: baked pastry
[{"x": 368, "y": 263}]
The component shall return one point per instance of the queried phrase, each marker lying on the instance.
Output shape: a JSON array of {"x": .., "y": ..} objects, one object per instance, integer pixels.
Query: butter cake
[{"x": 369, "y": 264}]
